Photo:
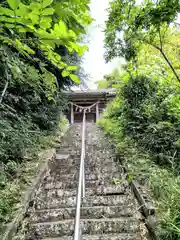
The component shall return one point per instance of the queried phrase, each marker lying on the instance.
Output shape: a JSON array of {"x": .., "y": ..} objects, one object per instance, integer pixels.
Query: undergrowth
[
  {"x": 164, "y": 185},
  {"x": 144, "y": 122},
  {"x": 40, "y": 56},
  {"x": 16, "y": 177}
]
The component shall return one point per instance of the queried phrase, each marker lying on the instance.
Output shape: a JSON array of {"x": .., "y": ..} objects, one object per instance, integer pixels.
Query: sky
[{"x": 94, "y": 63}]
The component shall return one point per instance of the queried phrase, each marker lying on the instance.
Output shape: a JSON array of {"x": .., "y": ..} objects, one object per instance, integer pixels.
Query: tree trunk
[
  {"x": 170, "y": 65},
  {"x": 167, "y": 60}
]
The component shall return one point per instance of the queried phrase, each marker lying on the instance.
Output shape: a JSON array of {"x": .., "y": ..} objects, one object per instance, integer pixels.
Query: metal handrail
[{"x": 81, "y": 184}]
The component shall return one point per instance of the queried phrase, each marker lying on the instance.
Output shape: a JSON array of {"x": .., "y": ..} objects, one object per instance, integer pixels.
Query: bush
[
  {"x": 165, "y": 187},
  {"x": 9, "y": 197},
  {"x": 150, "y": 113},
  {"x": 144, "y": 122},
  {"x": 28, "y": 117}
]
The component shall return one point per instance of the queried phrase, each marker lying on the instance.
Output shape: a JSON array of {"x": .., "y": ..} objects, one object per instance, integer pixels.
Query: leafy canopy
[
  {"x": 39, "y": 25},
  {"x": 130, "y": 25}
]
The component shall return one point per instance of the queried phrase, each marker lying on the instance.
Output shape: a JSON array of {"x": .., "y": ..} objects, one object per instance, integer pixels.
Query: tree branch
[
  {"x": 170, "y": 65},
  {"x": 166, "y": 59},
  {"x": 5, "y": 87}
]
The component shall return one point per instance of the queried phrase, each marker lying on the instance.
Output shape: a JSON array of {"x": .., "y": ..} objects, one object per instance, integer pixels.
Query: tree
[
  {"x": 109, "y": 80},
  {"x": 129, "y": 25},
  {"x": 40, "y": 30},
  {"x": 40, "y": 56},
  {"x": 38, "y": 40}
]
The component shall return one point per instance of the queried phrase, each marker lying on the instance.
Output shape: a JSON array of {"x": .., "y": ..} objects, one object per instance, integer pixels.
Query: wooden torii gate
[{"x": 94, "y": 101}]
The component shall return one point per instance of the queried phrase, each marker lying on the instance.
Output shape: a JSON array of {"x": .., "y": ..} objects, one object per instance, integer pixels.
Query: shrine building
[{"x": 91, "y": 101}]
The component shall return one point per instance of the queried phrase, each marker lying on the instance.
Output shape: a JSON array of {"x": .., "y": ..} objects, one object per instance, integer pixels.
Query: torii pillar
[
  {"x": 72, "y": 114},
  {"x": 97, "y": 111}
]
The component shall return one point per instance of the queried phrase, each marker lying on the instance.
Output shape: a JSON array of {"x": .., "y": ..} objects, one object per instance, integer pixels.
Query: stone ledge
[
  {"x": 147, "y": 208},
  {"x": 146, "y": 205}
]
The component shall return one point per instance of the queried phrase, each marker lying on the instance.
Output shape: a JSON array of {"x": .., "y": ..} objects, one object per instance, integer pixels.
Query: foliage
[
  {"x": 149, "y": 112},
  {"x": 164, "y": 185},
  {"x": 15, "y": 176},
  {"x": 38, "y": 40},
  {"x": 145, "y": 116},
  {"x": 109, "y": 81},
  {"x": 9, "y": 197},
  {"x": 28, "y": 108},
  {"x": 149, "y": 107},
  {"x": 39, "y": 25}
]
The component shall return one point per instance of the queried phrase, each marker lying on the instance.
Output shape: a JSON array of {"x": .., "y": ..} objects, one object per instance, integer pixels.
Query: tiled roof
[{"x": 109, "y": 91}]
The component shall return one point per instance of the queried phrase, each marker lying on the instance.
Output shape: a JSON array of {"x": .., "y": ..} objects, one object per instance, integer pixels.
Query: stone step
[
  {"x": 109, "y": 211},
  {"x": 90, "y": 168},
  {"x": 72, "y": 172},
  {"x": 51, "y": 215},
  {"x": 89, "y": 226},
  {"x": 97, "y": 177},
  {"x": 91, "y": 152},
  {"x": 68, "y": 184},
  {"x": 74, "y": 152},
  {"x": 68, "y": 159},
  {"x": 89, "y": 201},
  {"x": 88, "y": 176},
  {"x": 104, "y": 189},
  {"x": 99, "y": 153},
  {"x": 75, "y": 160},
  {"x": 119, "y": 236}
]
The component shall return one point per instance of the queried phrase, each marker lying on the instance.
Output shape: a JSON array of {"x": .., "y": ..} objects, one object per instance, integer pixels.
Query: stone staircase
[{"x": 108, "y": 212}]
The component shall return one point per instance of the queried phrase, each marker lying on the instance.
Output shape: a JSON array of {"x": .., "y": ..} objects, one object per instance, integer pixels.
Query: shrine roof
[{"x": 92, "y": 93}]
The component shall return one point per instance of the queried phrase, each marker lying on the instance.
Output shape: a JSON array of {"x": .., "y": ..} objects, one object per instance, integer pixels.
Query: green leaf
[
  {"x": 130, "y": 178},
  {"x": 45, "y": 24},
  {"x": 77, "y": 48},
  {"x": 72, "y": 68},
  {"x": 7, "y": 20},
  {"x": 34, "y": 18},
  {"x": 62, "y": 27},
  {"x": 75, "y": 78},
  {"x": 65, "y": 73},
  {"x": 72, "y": 34},
  {"x": 9, "y": 25},
  {"x": 85, "y": 48},
  {"x": 23, "y": 47},
  {"x": 116, "y": 181},
  {"x": 35, "y": 6},
  {"x": 14, "y": 4},
  {"x": 23, "y": 10},
  {"x": 6, "y": 11},
  {"x": 47, "y": 11},
  {"x": 46, "y": 3}
]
